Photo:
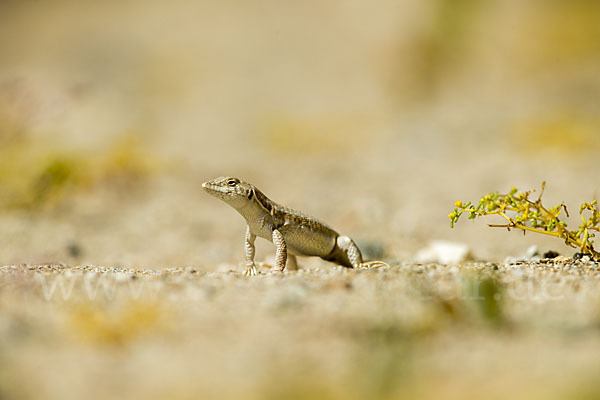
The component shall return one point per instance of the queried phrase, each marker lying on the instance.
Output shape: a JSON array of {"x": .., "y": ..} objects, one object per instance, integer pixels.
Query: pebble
[
  {"x": 531, "y": 255},
  {"x": 444, "y": 252}
]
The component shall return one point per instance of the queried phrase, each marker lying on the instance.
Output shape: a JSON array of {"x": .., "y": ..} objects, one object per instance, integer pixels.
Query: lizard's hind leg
[{"x": 350, "y": 249}]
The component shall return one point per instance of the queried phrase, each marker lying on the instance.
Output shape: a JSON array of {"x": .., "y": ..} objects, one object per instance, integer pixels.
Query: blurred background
[{"x": 375, "y": 117}]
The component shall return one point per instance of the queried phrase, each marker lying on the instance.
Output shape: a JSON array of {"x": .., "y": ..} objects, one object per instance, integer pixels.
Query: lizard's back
[{"x": 304, "y": 235}]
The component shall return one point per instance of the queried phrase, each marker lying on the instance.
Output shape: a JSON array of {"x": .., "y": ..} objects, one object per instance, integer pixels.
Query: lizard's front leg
[
  {"x": 249, "y": 245},
  {"x": 281, "y": 250}
]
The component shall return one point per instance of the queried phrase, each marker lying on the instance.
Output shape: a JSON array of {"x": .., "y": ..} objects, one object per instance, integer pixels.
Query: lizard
[{"x": 292, "y": 232}]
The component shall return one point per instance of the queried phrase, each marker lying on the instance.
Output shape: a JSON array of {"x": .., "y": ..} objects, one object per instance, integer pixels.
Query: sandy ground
[
  {"x": 373, "y": 119},
  {"x": 525, "y": 331}
]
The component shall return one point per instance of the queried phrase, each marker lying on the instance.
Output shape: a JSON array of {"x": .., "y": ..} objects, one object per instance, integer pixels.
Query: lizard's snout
[{"x": 211, "y": 188}]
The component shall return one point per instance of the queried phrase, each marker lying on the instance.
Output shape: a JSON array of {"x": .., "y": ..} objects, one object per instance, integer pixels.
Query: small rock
[
  {"x": 531, "y": 252},
  {"x": 530, "y": 255},
  {"x": 583, "y": 257},
  {"x": 551, "y": 254},
  {"x": 74, "y": 250},
  {"x": 191, "y": 270},
  {"x": 444, "y": 252}
]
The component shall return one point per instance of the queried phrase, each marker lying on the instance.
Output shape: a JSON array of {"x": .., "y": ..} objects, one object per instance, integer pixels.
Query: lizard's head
[{"x": 231, "y": 190}]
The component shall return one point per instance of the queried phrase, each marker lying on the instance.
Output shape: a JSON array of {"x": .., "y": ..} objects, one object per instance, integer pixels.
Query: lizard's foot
[
  {"x": 272, "y": 270},
  {"x": 275, "y": 272},
  {"x": 372, "y": 264},
  {"x": 250, "y": 270}
]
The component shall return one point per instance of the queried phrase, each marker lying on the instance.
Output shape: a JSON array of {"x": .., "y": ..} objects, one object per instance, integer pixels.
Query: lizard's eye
[{"x": 232, "y": 182}]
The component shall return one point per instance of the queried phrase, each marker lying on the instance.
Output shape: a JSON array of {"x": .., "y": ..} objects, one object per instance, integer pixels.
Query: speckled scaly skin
[{"x": 292, "y": 232}]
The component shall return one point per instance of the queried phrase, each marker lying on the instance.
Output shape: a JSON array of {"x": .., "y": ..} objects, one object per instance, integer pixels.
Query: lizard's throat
[{"x": 250, "y": 209}]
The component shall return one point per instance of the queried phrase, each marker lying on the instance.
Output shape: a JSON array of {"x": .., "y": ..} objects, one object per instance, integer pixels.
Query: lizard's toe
[
  {"x": 372, "y": 264},
  {"x": 250, "y": 270}
]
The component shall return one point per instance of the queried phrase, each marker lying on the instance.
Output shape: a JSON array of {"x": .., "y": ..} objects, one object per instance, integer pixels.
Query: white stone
[
  {"x": 444, "y": 252},
  {"x": 531, "y": 254}
]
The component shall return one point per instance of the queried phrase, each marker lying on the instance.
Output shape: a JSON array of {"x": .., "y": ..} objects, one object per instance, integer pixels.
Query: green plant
[
  {"x": 36, "y": 175},
  {"x": 531, "y": 215}
]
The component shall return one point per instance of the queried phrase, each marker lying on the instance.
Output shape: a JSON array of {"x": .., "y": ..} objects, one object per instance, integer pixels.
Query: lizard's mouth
[
  {"x": 211, "y": 187},
  {"x": 214, "y": 189}
]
